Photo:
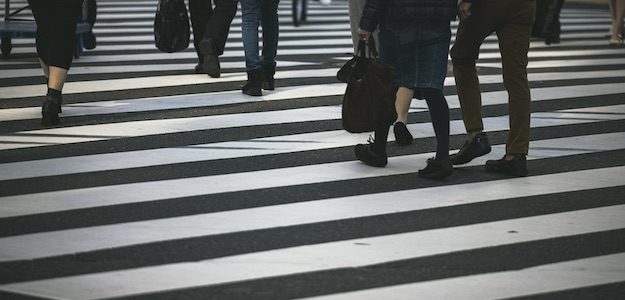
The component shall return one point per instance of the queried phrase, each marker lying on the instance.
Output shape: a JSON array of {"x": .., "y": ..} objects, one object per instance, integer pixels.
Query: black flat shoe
[
  {"x": 436, "y": 169},
  {"x": 365, "y": 154},
  {"x": 402, "y": 135}
]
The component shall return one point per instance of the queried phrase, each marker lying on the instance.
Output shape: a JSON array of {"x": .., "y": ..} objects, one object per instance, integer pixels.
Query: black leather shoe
[
  {"x": 517, "y": 166},
  {"x": 365, "y": 154},
  {"x": 402, "y": 135},
  {"x": 477, "y": 147},
  {"x": 436, "y": 169}
]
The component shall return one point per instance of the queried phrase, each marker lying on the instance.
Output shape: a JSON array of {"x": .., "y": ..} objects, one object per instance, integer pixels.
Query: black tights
[{"x": 439, "y": 113}]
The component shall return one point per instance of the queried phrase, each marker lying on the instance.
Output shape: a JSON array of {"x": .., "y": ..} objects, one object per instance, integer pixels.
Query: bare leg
[
  {"x": 617, "y": 25},
  {"x": 45, "y": 68},
  {"x": 57, "y": 78},
  {"x": 403, "y": 97}
]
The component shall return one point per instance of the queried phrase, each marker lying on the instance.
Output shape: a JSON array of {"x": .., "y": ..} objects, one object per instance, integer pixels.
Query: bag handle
[{"x": 370, "y": 46}]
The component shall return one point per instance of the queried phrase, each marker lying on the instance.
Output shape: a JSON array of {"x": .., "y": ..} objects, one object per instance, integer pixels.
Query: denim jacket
[{"x": 383, "y": 11}]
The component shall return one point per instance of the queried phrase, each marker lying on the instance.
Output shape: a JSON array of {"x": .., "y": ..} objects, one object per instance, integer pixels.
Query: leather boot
[
  {"x": 210, "y": 64},
  {"x": 254, "y": 83},
  {"x": 50, "y": 112},
  {"x": 268, "y": 82}
]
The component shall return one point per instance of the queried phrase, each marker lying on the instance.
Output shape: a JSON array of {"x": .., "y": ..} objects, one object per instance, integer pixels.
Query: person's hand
[
  {"x": 364, "y": 35},
  {"x": 464, "y": 10}
]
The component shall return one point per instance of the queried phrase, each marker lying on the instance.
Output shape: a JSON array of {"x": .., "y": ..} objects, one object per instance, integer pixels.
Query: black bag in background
[
  {"x": 369, "y": 100},
  {"x": 171, "y": 26}
]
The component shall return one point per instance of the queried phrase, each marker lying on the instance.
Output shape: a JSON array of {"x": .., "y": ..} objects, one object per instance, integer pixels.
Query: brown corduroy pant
[{"x": 512, "y": 21}]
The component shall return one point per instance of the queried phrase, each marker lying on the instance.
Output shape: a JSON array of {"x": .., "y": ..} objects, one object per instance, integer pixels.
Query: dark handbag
[
  {"x": 171, "y": 26},
  {"x": 369, "y": 100},
  {"x": 355, "y": 67}
]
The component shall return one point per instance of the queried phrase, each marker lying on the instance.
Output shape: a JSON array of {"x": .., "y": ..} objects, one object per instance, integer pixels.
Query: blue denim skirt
[{"x": 417, "y": 50}]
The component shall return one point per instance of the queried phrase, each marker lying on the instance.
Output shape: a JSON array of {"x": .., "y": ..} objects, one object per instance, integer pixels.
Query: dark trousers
[
  {"x": 512, "y": 21},
  {"x": 211, "y": 23},
  {"x": 56, "y": 30}
]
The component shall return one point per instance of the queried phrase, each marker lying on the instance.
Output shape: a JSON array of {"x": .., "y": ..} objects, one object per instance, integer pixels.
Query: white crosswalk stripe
[{"x": 162, "y": 183}]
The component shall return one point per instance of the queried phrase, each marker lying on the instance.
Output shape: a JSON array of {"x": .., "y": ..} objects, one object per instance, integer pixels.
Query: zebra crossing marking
[
  {"x": 43, "y": 202},
  {"x": 579, "y": 273},
  {"x": 325, "y": 256},
  {"x": 263, "y": 265},
  {"x": 77, "y": 134}
]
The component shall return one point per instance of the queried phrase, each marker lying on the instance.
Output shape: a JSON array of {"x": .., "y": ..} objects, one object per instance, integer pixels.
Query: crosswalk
[{"x": 165, "y": 184}]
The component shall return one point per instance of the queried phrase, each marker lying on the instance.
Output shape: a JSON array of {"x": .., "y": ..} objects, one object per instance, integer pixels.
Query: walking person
[
  {"x": 553, "y": 27},
  {"x": 617, "y": 9},
  {"x": 55, "y": 42},
  {"x": 210, "y": 32},
  {"x": 512, "y": 21},
  {"x": 90, "y": 9},
  {"x": 260, "y": 70},
  {"x": 414, "y": 39},
  {"x": 355, "y": 13},
  {"x": 402, "y": 104}
]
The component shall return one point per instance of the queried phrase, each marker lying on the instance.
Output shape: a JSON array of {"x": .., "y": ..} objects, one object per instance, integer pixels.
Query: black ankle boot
[
  {"x": 57, "y": 97},
  {"x": 210, "y": 64},
  {"x": 254, "y": 83},
  {"x": 50, "y": 112},
  {"x": 268, "y": 82}
]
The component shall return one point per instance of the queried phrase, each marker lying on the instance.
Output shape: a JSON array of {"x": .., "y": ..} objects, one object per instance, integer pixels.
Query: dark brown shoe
[
  {"x": 517, "y": 166},
  {"x": 478, "y": 146}
]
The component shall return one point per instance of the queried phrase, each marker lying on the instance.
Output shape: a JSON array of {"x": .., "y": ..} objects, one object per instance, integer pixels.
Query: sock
[
  {"x": 381, "y": 135},
  {"x": 439, "y": 113}
]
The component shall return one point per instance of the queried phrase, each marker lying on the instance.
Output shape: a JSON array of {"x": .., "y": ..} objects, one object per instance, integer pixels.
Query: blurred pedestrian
[
  {"x": 260, "y": 71},
  {"x": 547, "y": 21},
  {"x": 210, "y": 32},
  {"x": 414, "y": 39},
  {"x": 553, "y": 27},
  {"x": 90, "y": 11},
  {"x": 55, "y": 42},
  {"x": 618, "y": 12},
  {"x": 512, "y": 21},
  {"x": 355, "y": 13}
]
